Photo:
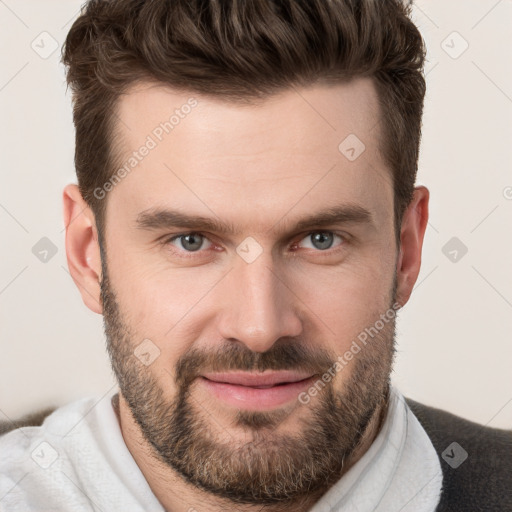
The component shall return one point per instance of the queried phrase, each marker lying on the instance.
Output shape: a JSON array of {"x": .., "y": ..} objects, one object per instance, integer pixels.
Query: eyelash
[{"x": 191, "y": 254}]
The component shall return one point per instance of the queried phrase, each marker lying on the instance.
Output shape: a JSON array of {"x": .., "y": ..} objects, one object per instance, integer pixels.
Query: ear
[
  {"x": 82, "y": 248},
  {"x": 414, "y": 224}
]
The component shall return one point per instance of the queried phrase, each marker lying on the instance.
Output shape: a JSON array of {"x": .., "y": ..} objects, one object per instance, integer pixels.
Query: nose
[{"x": 258, "y": 308}]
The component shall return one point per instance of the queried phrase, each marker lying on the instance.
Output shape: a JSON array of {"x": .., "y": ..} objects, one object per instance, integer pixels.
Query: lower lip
[{"x": 245, "y": 397}]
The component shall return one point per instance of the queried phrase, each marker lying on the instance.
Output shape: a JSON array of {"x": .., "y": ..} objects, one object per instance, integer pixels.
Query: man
[{"x": 247, "y": 223}]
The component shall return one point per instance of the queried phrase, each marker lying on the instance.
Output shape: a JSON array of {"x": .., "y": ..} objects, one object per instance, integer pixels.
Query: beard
[{"x": 269, "y": 467}]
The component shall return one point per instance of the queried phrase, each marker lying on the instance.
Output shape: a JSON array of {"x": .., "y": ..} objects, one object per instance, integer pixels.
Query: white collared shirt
[{"x": 77, "y": 461}]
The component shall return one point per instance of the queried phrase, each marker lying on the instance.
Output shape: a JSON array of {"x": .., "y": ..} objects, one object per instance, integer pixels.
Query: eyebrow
[{"x": 157, "y": 219}]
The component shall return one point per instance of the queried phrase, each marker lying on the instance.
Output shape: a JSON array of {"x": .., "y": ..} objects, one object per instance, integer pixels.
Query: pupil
[
  {"x": 322, "y": 240},
  {"x": 192, "y": 242}
]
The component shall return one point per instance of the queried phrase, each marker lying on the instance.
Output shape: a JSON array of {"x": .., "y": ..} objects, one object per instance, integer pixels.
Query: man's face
[{"x": 298, "y": 259}]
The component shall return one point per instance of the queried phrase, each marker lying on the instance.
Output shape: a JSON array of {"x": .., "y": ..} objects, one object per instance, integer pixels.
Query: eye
[
  {"x": 190, "y": 242},
  {"x": 321, "y": 240}
]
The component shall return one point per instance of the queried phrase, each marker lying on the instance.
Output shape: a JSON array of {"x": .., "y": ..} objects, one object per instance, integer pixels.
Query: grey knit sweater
[{"x": 483, "y": 481}]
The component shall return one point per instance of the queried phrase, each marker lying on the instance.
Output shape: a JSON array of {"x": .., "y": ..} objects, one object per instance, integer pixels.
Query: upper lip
[{"x": 257, "y": 379}]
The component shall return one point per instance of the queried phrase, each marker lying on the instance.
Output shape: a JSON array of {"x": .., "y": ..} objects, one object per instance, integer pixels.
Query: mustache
[{"x": 230, "y": 356}]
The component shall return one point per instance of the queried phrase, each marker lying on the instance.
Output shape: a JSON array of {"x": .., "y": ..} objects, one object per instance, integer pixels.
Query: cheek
[
  {"x": 343, "y": 302},
  {"x": 162, "y": 303}
]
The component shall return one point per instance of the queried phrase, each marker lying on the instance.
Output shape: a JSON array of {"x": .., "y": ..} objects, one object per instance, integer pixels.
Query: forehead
[
  {"x": 293, "y": 151},
  {"x": 297, "y": 115}
]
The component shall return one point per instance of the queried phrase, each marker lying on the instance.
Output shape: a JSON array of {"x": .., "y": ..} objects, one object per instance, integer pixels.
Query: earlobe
[
  {"x": 82, "y": 248},
  {"x": 414, "y": 224}
]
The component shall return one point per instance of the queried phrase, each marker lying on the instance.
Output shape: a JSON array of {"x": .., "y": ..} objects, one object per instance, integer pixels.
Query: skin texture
[{"x": 260, "y": 169}]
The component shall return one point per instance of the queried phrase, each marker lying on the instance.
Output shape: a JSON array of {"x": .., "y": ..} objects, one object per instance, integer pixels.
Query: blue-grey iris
[
  {"x": 191, "y": 242},
  {"x": 322, "y": 240}
]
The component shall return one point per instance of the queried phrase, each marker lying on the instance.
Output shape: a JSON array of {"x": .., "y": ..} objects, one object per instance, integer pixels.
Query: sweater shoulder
[{"x": 476, "y": 460}]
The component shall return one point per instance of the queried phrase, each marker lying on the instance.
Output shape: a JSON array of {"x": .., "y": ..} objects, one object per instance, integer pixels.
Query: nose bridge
[{"x": 260, "y": 308}]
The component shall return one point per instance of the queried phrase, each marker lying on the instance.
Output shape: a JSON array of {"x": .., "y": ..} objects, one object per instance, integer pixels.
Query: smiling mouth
[
  {"x": 256, "y": 391},
  {"x": 260, "y": 386}
]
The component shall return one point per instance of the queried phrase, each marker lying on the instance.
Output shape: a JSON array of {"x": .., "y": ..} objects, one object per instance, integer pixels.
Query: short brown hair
[{"x": 240, "y": 51}]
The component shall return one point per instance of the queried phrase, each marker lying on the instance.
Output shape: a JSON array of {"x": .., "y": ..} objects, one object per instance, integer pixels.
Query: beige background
[{"x": 454, "y": 340}]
